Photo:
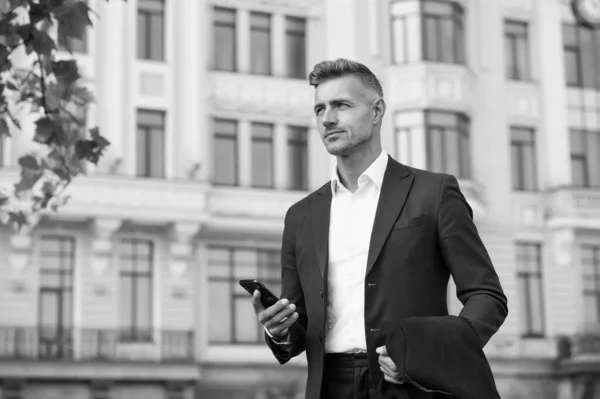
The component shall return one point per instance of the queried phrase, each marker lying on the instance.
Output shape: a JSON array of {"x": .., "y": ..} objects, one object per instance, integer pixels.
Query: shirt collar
[{"x": 374, "y": 172}]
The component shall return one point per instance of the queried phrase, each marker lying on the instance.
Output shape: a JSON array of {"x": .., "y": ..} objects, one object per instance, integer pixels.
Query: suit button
[
  {"x": 321, "y": 337},
  {"x": 321, "y": 293}
]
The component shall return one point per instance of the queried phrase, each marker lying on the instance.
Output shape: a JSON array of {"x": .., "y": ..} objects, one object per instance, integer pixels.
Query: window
[
  {"x": 151, "y": 144},
  {"x": 585, "y": 158},
  {"x": 590, "y": 261},
  {"x": 55, "y": 309},
  {"x": 262, "y": 155},
  {"x": 260, "y": 43},
  {"x": 136, "y": 263},
  {"x": 151, "y": 30},
  {"x": 581, "y": 48},
  {"x": 298, "y": 157},
  {"x": 225, "y": 42},
  {"x": 229, "y": 303},
  {"x": 523, "y": 157},
  {"x": 529, "y": 275},
  {"x": 430, "y": 30},
  {"x": 295, "y": 33},
  {"x": 447, "y": 143},
  {"x": 516, "y": 44},
  {"x": 226, "y": 152}
]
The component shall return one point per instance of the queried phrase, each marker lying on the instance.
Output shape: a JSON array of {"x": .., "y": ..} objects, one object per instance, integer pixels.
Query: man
[{"x": 366, "y": 260}]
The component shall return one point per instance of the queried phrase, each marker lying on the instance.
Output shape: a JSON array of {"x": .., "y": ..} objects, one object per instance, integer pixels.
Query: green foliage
[{"x": 51, "y": 88}]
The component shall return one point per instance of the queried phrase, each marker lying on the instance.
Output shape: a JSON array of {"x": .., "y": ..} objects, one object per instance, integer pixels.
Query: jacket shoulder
[{"x": 301, "y": 206}]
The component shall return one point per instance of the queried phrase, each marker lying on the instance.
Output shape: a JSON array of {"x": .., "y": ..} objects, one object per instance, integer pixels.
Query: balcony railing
[
  {"x": 37, "y": 343},
  {"x": 575, "y": 202}
]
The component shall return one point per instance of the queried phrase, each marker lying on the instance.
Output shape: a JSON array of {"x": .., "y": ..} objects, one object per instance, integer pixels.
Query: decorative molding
[
  {"x": 562, "y": 246},
  {"x": 152, "y": 84},
  {"x": 520, "y": 5},
  {"x": 261, "y": 94}
]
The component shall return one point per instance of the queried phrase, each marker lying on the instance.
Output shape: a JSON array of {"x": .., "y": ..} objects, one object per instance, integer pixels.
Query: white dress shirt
[{"x": 350, "y": 227}]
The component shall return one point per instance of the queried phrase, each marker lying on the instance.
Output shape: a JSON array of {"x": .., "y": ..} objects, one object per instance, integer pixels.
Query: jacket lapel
[
  {"x": 321, "y": 207},
  {"x": 396, "y": 185}
]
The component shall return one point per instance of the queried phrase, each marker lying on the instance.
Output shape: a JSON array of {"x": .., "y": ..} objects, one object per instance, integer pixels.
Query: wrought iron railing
[{"x": 71, "y": 344}]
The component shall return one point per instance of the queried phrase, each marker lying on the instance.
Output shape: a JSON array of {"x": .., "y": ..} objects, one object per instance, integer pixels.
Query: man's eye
[
  {"x": 318, "y": 111},
  {"x": 342, "y": 105}
]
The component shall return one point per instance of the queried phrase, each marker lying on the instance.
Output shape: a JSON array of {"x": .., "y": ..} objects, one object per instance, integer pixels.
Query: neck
[{"x": 351, "y": 166}]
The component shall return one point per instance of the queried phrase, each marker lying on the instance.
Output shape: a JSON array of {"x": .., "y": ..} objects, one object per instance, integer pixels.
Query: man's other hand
[
  {"x": 278, "y": 318},
  {"x": 388, "y": 367}
]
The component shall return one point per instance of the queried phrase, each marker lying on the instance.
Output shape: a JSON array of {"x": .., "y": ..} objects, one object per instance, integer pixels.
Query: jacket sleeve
[
  {"x": 292, "y": 290},
  {"x": 477, "y": 284},
  {"x": 445, "y": 353}
]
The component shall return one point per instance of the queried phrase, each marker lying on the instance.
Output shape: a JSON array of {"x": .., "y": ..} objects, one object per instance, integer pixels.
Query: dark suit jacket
[{"x": 423, "y": 232}]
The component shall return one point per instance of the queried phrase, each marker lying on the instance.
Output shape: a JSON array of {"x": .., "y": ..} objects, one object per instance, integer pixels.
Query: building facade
[{"x": 131, "y": 289}]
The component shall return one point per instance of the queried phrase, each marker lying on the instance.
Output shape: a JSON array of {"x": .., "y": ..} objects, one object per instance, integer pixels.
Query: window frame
[
  {"x": 511, "y": 48},
  {"x": 527, "y": 277},
  {"x": 146, "y": 53},
  {"x": 219, "y": 135},
  {"x": 233, "y": 283},
  {"x": 150, "y": 132},
  {"x": 521, "y": 146},
  {"x": 133, "y": 333}
]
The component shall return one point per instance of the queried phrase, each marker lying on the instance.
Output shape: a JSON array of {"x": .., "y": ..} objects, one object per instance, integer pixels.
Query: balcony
[
  {"x": 95, "y": 345},
  {"x": 580, "y": 205}
]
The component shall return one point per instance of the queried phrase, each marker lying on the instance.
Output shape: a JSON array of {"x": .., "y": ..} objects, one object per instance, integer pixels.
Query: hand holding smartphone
[{"x": 275, "y": 315}]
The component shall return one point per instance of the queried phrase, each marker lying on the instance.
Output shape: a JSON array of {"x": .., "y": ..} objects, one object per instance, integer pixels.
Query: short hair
[{"x": 327, "y": 70}]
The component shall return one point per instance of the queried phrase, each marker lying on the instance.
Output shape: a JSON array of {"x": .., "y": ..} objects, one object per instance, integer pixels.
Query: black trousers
[{"x": 346, "y": 376}]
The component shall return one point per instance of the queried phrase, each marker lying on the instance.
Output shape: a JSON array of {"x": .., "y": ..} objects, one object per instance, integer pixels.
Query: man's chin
[{"x": 338, "y": 151}]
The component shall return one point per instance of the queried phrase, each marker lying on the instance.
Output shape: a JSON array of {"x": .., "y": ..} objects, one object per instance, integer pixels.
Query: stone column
[
  {"x": 278, "y": 45},
  {"x": 554, "y": 142},
  {"x": 113, "y": 85},
  {"x": 242, "y": 30},
  {"x": 244, "y": 153},
  {"x": 190, "y": 88},
  {"x": 281, "y": 162}
]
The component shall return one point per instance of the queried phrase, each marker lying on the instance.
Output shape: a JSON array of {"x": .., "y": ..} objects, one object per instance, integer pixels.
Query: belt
[{"x": 346, "y": 360}]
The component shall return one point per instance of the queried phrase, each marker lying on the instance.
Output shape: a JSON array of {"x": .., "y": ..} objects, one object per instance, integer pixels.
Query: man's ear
[{"x": 378, "y": 110}]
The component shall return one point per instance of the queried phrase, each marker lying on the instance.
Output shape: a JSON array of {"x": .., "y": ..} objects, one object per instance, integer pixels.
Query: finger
[
  {"x": 388, "y": 362},
  {"x": 278, "y": 307},
  {"x": 256, "y": 303},
  {"x": 282, "y": 328},
  {"x": 280, "y": 317},
  {"x": 387, "y": 371},
  {"x": 392, "y": 380}
]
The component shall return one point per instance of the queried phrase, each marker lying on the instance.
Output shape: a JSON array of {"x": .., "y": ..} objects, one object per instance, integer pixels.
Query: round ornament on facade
[{"x": 587, "y": 12}]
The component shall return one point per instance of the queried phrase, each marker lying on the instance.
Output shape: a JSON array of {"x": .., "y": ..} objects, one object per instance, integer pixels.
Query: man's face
[{"x": 344, "y": 111}]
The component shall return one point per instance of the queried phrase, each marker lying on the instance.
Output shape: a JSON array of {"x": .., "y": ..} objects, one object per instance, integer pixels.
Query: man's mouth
[{"x": 333, "y": 132}]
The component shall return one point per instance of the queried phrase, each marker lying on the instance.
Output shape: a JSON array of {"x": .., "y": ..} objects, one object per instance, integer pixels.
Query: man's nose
[{"x": 329, "y": 118}]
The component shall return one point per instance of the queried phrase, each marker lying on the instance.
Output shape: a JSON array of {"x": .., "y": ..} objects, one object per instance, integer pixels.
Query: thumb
[{"x": 382, "y": 350}]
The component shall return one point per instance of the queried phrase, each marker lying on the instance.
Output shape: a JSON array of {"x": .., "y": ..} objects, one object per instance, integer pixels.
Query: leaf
[
  {"x": 66, "y": 72},
  {"x": 29, "y": 162},
  {"x": 100, "y": 140},
  {"x": 5, "y": 22},
  {"x": 43, "y": 43},
  {"x": 48, "y": 188},
  {"x": 18, "y": 218},
  {"x": 3, "y": 199},
  {"x": 44, "y": 130},
  {"x": 4, "y": 130},
  {"x": 38, "y": 12},
  {"x": 11, "y": 85},
  {"x": 75, "y": 21},
  {"x": 28, "y": 179}
]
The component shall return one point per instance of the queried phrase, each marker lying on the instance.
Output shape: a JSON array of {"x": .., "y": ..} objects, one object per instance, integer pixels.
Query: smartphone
[{"x": 266, "y": 296}]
